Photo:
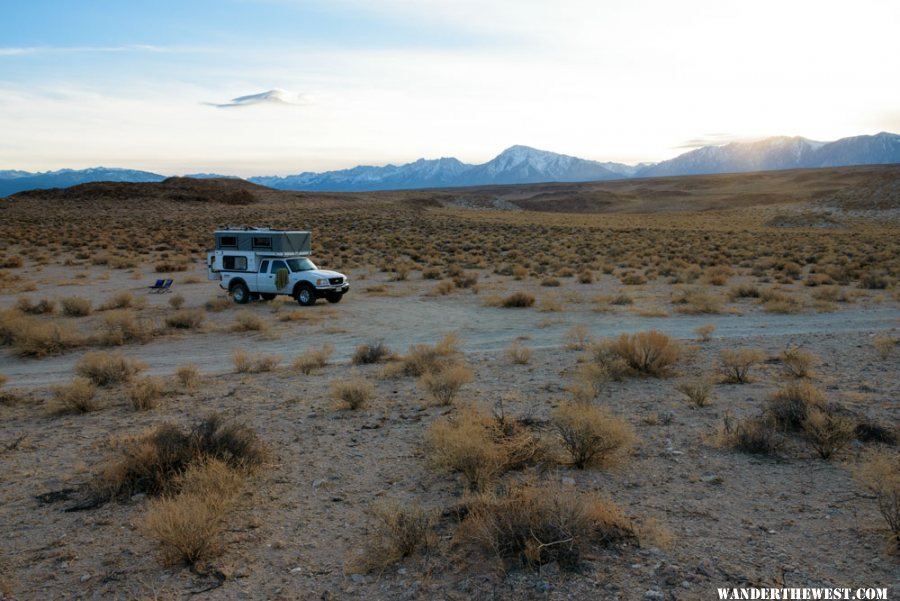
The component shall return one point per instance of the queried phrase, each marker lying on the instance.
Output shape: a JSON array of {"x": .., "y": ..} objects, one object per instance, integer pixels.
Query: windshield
[{"x": 301, "y": 265}]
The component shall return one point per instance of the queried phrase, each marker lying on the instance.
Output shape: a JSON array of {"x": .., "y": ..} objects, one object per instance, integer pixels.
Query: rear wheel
[
  {"x": 266, "y": 296},
  {"x": 306, "y": 295},
  {"x": 240, "y": 293},
  {"x": 334, "y": 297}
]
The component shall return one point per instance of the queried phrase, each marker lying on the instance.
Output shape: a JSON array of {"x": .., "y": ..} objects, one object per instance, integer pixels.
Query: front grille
[{"x": 334, "y": 281}]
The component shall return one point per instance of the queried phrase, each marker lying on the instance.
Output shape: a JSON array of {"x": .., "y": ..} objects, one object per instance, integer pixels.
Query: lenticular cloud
[{"x": 274, "y": 96}]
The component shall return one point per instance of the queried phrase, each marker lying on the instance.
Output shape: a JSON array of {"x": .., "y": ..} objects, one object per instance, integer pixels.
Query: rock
[
  {"x": 297, "y": 570},
  {"x": 710, "y": 478},
  {"x": 653, "y": 595},
  {"x": 85, "y": 577},
  {"x": 568, "y": 481},
  {"x": 317, "y": 484},
  {"x": 358, "y": 578}
]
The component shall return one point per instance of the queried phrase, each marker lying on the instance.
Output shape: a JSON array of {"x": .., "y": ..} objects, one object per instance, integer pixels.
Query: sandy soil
[{"x": 794, "y": 520}]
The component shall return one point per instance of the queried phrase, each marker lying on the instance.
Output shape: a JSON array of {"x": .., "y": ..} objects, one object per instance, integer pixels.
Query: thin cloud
[
  {"x": 274, "y": 96},
  {"x": 33, "y": 50},
  {"x": 717, "y": 139}
]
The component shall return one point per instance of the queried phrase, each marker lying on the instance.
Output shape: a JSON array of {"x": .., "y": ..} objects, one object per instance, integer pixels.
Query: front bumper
[{"x": 323, "y": 291}]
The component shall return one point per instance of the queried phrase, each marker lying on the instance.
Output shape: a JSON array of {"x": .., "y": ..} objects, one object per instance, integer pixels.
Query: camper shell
[{"x": 252, "y": 263}]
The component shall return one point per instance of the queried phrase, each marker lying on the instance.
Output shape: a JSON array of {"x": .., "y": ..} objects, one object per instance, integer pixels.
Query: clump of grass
[
  {"x": 880, "y": 473},
  {"x": 885, "y": 344},
  {"x": 122, "y": 326},
  {"x": 735, "y": 364},
  {"x": 253, "y": 364},
  {"x": 154, "y": 462},
  {"x": 188, "y": 375},
  {"x": 591, "y": 435},
  {"x": 188, "y": 526},
  {"x": 313, "y": 360},
  {"x": 145, "y": 393},
  {"x": 75, "y": 306},
  {"x": 532, "y": 525},
  {"x": 104, "y": 368},
  {"x": 518, "y": 353},
  {"x": 42, "y": 307},
  {"x": 32, "y": 338},
  {"x": 651, "y": 353},
  {"x": 374, "y": 352},
  {"x": 421, "y": 359},
  {"x": 479, "y": 446},
  {"x": 796, "y": 362},
  {"x": 186, "y": 319},
  {"x": 245, "y": 321},
  {"x": 827, "y": 432},
  {"x": 517, "y": 300},
  {"x": 754, "y": 435},
  {"x": 704, "y": 332},
  {"x": 218, "y": 303},
  {"x": 578, "y": 338},
  {"x": 121, "y": 300},
  {"x": 791, "y": 404},
  {"x": 400, "y": 530},
  {"x": 604, "y": 354},
  {"x": 696, "y": 301},
  {"x": 352, "y": 393},
  {"x": 444, "y": 385},
  {"x": 176, "y": 301},
  {"x": 78, "y": 396},
  {"x": 697, "y": 390}
]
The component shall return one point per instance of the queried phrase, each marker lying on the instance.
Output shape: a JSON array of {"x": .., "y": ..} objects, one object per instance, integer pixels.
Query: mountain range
[{"x": 524, "y": 165}]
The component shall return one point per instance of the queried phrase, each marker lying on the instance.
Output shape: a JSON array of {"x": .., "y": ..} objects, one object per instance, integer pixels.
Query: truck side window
[
  {"x": 276, "y": 265},
  {"x": 264, "y": 266}
]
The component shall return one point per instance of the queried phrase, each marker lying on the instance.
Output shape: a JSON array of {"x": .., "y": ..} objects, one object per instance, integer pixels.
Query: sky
[{"x": 276, "y": 87}]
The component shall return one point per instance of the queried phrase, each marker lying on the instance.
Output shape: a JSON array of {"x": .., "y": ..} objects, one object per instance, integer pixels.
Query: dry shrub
[
  {"x": 696, "y": 301},
  {"x": 32, "y": 338},
  {"x": 827, "y": 432},
  {"x": 735, "y": 364},
  {"x": 75, "y": 306},
  {"x": 697, "y": 390},
  {"x": 186, "y": 319},
  {"x": 653, "y": 533},
  {"x": 367, "y": 354},
  {"x": 42, "y": 307},
  {"x": 188, "y": 526},
  {"x": 444, "y": 288},
  {"x": 400, "y": 530},
  {"x": 588, "y": 384},
  {"x": 591, "y": 435},
  {"x": 790, "y": 405},
  {"x": 549, "y": 282},
  {"x": 78, "y": 396},
  {"x": 578, "y": 338},
  {"x": 188, "y": 375},
  {"x": 145, "y": 393},
  {"x": 527, "y": 525},
  {"x": 422, "y": 358},
  {"x": 176, "y": 301},
  {"x": 154, "y": 463},
  {"x": 444, "y": 385},
  {"x": 479, "y": 446},
  {"x": 218, "y": 303},
  {"x": 245, "y": 321},
  {"x": 651, "y": 353},
  {"x": 755, "y": 435},
  {"x": 743, "y": 291},
  {"x": 885, "y": 344},
  {"x": 122, "y": 326},
  {"x": 104, "y": 368},
  {"x": 122, "y": 300},
  {"x": 880, "y": 473},
  {"x": 313, "y": 360},
  {"x": 517, "y": 300},
  {"x": 704, "y": 332},
  {"x": 352, "y": 393},
  {"x": 519, "y": 354},
  {"x": 796, "y": 362},
  {"x": 603, "y": 353},
  {"x": 253, "y": 364}
]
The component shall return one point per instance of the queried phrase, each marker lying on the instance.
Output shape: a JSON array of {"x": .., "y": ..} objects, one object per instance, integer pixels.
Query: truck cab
[{"x": 254, "y": 263}]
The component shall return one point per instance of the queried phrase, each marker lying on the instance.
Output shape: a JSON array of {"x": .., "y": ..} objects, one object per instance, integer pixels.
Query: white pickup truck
[{"x": 253, "y": 263}]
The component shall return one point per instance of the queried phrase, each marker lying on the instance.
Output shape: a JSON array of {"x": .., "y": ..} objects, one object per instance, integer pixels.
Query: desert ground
[{"x": 622, "y": 390}]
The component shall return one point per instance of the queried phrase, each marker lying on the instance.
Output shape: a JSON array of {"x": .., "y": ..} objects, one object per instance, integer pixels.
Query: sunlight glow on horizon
[{"x": 397, "y": 80}]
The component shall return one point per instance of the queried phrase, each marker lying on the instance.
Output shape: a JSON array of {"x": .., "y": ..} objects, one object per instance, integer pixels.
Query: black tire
[
  {"x": 306, "y": 295},
  {"x": 240, "y": 293},
  {"x": 334, "y": 297},
  {"x": 266, "y": 296}
]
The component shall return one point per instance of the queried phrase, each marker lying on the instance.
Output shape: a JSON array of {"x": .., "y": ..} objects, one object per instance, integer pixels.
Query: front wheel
[
  {"x": 240, "y": 293},
  {"x": 334, "y": 297},
  {"x": 306, "y": 295}
]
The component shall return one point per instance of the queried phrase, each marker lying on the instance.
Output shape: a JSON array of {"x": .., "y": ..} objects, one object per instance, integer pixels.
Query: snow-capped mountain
[
  {"x": 780, "y": 153},
  {"x": 524, "y": 165},
  {"x": 71, "y": 177}
]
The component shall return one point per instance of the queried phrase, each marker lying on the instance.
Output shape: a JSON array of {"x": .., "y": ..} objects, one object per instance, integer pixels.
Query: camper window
[
  {"x": 262, "y": 242},
  {"x": 232, "y": 263},
  {"x": 228, "y": 242}
]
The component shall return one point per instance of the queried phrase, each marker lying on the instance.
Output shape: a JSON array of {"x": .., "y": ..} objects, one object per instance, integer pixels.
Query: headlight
[{"x": 321, "y": 282}]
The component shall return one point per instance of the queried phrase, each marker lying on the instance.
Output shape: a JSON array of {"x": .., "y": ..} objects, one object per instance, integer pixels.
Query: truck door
[
  {"x": 265, "y": 282},
  {"x": 273, "y": 274}
]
